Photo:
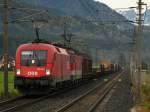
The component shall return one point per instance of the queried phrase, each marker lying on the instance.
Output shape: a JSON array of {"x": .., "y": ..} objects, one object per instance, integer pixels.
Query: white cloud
[{"x": 122, "y": 3}]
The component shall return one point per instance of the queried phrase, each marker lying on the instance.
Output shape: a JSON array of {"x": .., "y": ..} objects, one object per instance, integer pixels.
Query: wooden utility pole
[
  {"x": 5, "y": 47},
  {"x": 139, "y": 29}
]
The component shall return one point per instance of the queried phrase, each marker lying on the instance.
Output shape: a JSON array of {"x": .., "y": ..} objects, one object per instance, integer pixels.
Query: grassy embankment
[
  {"x": 12, "y": 91},
  {"x": 145, "y": 99}
]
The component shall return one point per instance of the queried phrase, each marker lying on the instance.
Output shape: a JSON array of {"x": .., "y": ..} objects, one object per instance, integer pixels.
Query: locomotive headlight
[
  {"x": 48, "y": 72},
  {"x": 18, "y": 71}
]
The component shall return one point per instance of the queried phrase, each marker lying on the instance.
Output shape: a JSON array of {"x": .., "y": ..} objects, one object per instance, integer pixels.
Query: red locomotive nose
[{"x": 33, "y": 60}]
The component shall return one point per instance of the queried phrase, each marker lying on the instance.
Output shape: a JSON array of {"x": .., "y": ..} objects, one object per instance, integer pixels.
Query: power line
[
  {"x": 26, "y": 17},
  {"x": 24, "y": 9}
]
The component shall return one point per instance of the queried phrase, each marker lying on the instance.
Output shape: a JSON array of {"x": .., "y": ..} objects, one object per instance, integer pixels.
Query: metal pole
[
  {"x": 138, "y": 47},
  {"x": 5, "y": 47}
]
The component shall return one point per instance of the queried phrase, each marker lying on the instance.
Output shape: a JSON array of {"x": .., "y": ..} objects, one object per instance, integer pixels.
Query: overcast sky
[{"x": 121, "y": 3}]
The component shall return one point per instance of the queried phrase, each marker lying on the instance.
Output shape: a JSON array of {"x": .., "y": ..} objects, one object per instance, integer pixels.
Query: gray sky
[{"x": 122, "y": 3}]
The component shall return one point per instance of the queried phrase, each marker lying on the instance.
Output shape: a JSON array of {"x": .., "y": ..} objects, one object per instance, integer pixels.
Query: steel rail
[
  {"x": 102, "y": 97},
  {"x": 31, "y": 102},
  {"x": 10, "y": 100},
  {"x": 104, "y": 86},
  {"x": 25, "y": 104}
]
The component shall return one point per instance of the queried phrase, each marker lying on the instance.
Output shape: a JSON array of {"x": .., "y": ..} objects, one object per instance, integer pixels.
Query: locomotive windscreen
[{"x": 33, "y": 58}]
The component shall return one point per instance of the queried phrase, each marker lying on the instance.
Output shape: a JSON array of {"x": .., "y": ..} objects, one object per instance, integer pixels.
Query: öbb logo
[{"x": 32, "y": 73}]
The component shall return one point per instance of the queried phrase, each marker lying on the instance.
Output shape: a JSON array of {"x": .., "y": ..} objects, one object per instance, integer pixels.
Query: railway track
[
  {"x": 15, "y": 104},
  {"x": 91, "y": 99},
  {"x": 23, "y": 102},
  {"x": 10, "y": 100}
]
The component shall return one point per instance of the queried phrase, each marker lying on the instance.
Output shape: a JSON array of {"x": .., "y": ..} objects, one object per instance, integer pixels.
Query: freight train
[
  {"x": 43, "y": 67},
  {"x": 107, "y": 66}
]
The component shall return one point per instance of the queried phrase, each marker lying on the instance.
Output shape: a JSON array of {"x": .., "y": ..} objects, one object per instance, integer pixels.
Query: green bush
[{"x": 12, "y": 90}]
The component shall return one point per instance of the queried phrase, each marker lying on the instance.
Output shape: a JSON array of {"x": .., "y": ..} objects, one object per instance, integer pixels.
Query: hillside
[
  {"x": 81, "y": 8},
  {"x": 105, "y": 34}
]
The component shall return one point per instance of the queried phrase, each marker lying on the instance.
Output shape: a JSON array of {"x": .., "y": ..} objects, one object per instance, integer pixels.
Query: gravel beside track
[
  {"x": 55, "y": 102},
  {"x": 119, "y": 99}
]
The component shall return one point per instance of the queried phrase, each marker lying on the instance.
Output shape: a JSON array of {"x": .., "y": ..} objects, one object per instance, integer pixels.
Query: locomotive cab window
[{"x": 33, "y": 58}]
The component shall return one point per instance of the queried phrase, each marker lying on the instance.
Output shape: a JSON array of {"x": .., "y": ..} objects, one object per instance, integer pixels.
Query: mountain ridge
[
  {"x": 104, "y": 35},
  {"x": 130, "y": 14}
]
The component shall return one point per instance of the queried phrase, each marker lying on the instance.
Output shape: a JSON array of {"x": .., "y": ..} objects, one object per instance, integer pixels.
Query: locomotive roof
[
  {"x": 56, "y": 47},
  {"x": 29, "y": 45},
  {"x": 36, "y": 46}
]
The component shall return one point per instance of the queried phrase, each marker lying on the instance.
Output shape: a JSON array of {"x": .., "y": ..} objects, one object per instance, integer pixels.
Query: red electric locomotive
[{"x": 42, "y": 67}]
